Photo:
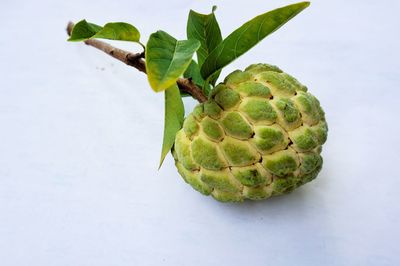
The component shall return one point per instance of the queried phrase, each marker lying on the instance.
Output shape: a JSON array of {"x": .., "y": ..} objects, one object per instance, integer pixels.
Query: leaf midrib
[{"x": 170, "y": 63}]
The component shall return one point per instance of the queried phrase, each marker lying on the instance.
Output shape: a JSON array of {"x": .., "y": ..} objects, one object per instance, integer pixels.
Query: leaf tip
[
  {"x": 304, "y": 4},
  {"x": 161, "y": 162},
  {"x": 214, "y": 7}
]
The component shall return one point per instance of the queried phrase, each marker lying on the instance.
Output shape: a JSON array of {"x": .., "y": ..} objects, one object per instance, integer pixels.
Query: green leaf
[
  {"x": 193, "y": 72},
  {"x": 167, "y": 59},
  {"x": 120, "y": 31},
  {"x": 204, "y": 28},
  {"x": 83, "y": 30},
  {"x": 174, "y": 114},
  {"x": 247, "y": 36}
]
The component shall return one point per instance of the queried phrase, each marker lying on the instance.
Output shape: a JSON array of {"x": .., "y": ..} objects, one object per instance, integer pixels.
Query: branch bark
[{"x": 137, "y": 61}]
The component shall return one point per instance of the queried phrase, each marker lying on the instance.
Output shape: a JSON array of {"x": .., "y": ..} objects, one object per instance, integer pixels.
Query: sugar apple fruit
[{"x": 259, "y": 134}]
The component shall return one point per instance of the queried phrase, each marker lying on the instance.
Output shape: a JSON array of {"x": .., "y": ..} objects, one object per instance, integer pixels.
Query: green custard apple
[{"x": 259, "y": 134}]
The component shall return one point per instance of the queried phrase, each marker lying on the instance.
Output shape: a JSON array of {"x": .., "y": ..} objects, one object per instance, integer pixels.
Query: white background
[{"x": 80, "y": 138}]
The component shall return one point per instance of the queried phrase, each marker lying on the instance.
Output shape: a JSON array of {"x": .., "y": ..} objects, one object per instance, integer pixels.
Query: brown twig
[{"x": 136, "y": 60}]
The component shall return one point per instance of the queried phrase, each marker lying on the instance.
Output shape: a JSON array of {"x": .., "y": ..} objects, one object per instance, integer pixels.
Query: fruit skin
[{"x": 259, "y": 134}]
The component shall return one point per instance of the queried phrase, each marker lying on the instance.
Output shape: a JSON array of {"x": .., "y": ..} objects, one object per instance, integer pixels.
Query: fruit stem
[{"x": 137, "y": 61}]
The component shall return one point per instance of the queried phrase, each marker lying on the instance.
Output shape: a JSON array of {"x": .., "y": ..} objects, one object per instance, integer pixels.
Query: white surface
[{"x": 81, "y": 136}]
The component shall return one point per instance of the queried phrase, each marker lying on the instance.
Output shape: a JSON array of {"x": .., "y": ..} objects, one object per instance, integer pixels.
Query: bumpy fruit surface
[{"x": 259, "y": 134}]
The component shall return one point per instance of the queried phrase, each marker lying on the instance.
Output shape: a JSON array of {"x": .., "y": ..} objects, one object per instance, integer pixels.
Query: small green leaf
[
  {"x": 193, "y": 72},
  {"x": 120, "y": 31},
  {"x": 247, "y": 36},
  {"x": 204, "y": 28},
  {"x": 167, "y": 59},
  {"x": 83, "y": 30},
  {"x": 174, "y": 114}
]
